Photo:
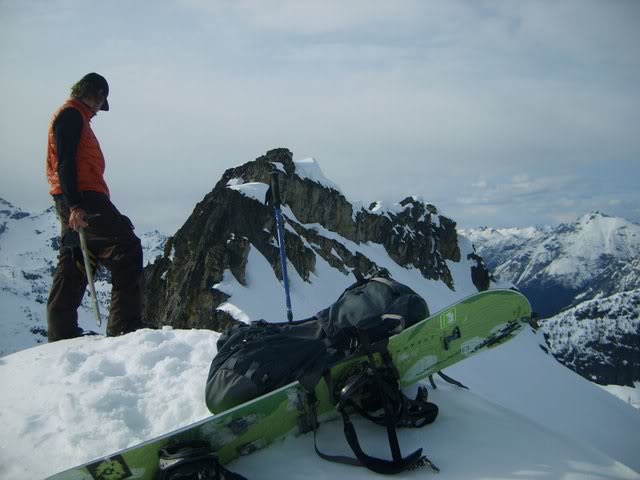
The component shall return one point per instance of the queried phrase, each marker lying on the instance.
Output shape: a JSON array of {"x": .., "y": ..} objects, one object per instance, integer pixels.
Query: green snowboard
[{"x": 474, "y": 324}]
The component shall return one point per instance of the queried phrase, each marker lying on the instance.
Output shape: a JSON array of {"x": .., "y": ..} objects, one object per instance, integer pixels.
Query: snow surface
[
  {"x": 254, "y": 190},
  {"x": 382, "y": 207},
  {"x": 306, "y": 168},
  {"x": 526, "y": 416},
  {"x": 631, "y": 395},
  {"x": 310, "y": 169}
]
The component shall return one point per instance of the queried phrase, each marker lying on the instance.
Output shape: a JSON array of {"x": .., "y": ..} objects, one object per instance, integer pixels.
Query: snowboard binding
[{"x": 455, "y": 335}]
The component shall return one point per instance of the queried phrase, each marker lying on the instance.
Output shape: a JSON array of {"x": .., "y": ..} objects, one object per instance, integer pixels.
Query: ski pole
[
  {"x": 87, "y": 267},
  {"x": 275, "y": 198}
]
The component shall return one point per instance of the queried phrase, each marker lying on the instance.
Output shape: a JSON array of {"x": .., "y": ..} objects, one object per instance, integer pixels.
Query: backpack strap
[
  {"x": 398, "y": 411},
  {"x": 378, "y": 465},
  {"x": 342, "y": 459},
  {"x": 384, "y": 281}
]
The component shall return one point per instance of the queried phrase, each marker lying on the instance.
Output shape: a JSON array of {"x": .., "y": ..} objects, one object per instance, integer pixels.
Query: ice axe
[
  {"x": 276, "y": 202},
  {"x": 89, "y": 270}
]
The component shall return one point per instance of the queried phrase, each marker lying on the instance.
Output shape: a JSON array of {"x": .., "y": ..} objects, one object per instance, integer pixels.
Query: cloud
[
  {"x": 482, "y": 184},
  {"x": 519, "y": 188},
  {"x": 526, "y": 199}
]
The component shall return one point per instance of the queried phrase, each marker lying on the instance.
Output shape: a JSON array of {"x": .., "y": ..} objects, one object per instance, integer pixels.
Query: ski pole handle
[{"x": 88, "y": 269}]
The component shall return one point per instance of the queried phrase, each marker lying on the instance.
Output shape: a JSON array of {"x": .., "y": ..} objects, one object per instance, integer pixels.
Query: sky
[{"x": 500, "y": 113}]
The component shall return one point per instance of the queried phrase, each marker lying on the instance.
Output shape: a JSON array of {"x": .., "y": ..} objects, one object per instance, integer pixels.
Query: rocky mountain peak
[
  {"x": 591, "y": 216},
  {"x": 321, "y": 224}
]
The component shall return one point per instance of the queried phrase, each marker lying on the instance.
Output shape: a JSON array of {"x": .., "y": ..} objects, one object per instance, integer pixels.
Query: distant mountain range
[
  {"x": 584, "y": 278},
  {"x": 593, "y": 257},
  {"x": 28, "y": 251}
]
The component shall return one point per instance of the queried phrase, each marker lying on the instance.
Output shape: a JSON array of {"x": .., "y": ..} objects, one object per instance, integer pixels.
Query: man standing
[{"x": 75, "y": 169}]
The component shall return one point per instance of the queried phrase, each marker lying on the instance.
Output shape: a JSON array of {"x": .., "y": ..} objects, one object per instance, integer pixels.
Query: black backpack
[{"x": 250, "y": 362}]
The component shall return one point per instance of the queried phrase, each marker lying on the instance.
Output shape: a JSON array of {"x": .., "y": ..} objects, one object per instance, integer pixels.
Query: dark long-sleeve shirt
[{"x": 67, "y": 130}]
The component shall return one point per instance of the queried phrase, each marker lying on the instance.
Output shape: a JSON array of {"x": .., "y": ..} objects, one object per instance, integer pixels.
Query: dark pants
[{"x": 111, "y": 240}]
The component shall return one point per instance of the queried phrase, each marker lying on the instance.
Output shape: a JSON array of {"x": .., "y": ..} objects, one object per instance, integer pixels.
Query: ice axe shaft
[{"x": 89, "y": 270}]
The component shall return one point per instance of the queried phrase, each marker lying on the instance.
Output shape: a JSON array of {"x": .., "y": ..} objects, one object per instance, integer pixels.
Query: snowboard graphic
[{"x": 472, "y": 325}]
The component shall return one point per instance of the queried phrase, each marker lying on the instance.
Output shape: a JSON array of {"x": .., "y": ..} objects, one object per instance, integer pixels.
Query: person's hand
[{"x": 78, "y": 218}]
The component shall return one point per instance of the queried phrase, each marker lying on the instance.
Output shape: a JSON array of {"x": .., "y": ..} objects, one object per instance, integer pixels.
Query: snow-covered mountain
[
  {"x": 595, "y": 256},
  {"x": 498, "y": 245},
  {"x": 28, "y": 251},
  {"x": 600, "y": 338},
  {"x": 592, "y": 265}
]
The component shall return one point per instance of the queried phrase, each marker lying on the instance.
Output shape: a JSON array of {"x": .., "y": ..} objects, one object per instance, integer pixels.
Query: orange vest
[{"x": 89, "y": 158}]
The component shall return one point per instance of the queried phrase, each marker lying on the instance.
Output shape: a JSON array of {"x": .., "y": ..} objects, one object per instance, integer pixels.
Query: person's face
[
  {"x": 100, "y": 98},
  {"x": 95, "y": 103}
]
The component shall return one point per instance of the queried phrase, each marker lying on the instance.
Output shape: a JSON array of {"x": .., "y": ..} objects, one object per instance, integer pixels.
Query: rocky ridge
[{"x": 321, "y": 225}]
